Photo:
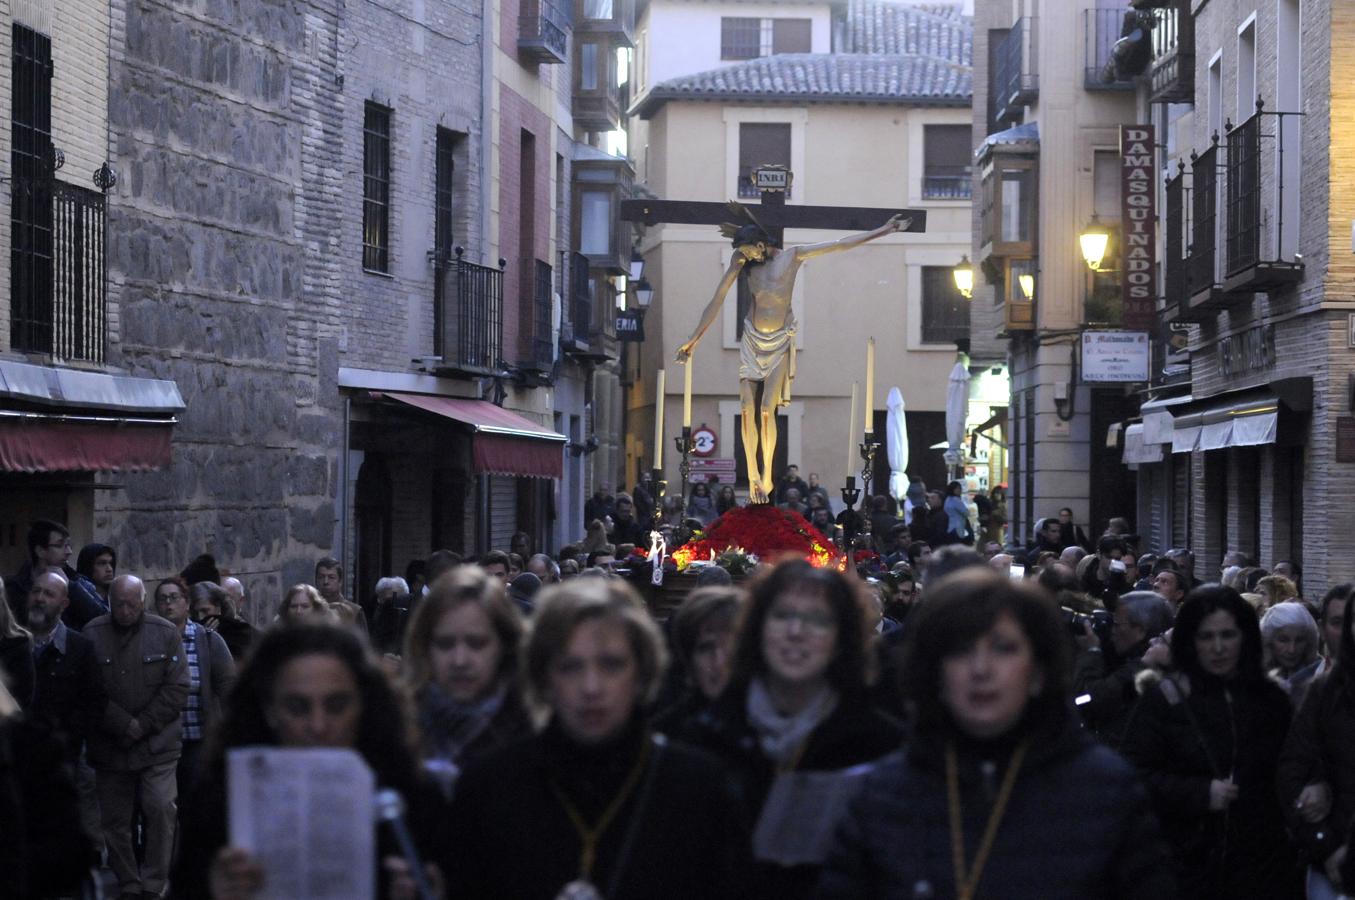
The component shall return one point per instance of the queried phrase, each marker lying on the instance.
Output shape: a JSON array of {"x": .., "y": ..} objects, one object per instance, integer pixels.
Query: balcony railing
[
  {"x": 1102, "y": 27},
  {"x": 58, "y": 270},
  {"x": 947, "y": 183},
  {"x": 472, "y": 317},
  {"x": 543, "y": 32},
  {"x": 536, "y": 348},
  {"x": 1254, "y": 260},
  {"x": 1016, "y": 80},
  {"x": 1172, "y": 76}
]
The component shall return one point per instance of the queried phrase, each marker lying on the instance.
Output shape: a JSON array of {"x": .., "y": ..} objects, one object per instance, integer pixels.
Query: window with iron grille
[
  {"x": 945, "y": 312},
  {"x": 32, "y": 162},
  {"x": 947, "y": 173},
  {"x": 761, "y": 144},
  {"x": 740, "y": 38},
  {"x": 443, "y": 195},
  {"x": 376, "y": 177}
]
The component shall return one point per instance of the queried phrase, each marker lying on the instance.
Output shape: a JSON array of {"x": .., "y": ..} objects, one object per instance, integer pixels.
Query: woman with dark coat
[
  {"x": 595, "y": 805},
  {"x": 308, "y": 685},
  {"x": 1317, "y": 771},
  {"x": 797, "y": 703},
  {"x": 701, "y": 505},
  {"x": 461, "y": 655},
  {"x": 999, "y": 794},
  {"x": 1208, "y": 741}
]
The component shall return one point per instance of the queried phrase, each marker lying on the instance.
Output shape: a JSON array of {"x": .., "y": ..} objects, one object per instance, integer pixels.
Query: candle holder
[
  {"x": 850, "y": 495},
  {"x": 685, "y": 446},
  {"x": 869, "y": 447}
]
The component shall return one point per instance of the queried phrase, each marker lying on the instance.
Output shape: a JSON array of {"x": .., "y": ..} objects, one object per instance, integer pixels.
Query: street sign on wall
[
  {"x": 1115, "y": 356},
  {"x": 717, "y": 466},
  {"x": 630, "y": 325}
]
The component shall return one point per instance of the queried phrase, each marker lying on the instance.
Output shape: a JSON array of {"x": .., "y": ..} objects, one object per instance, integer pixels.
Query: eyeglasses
[
  {"x": 64, "y": 545},
  {"x": 810, "y": 621}
]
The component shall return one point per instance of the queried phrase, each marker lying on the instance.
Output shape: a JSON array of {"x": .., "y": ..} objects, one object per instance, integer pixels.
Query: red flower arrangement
[{"x": 762, "y": 531}]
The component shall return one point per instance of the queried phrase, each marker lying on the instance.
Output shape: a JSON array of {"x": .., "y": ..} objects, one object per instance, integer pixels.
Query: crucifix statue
[{"x": 767, "y": 349}]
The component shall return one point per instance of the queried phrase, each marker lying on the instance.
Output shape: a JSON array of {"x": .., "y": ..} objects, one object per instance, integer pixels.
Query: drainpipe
[{"x": 487, "y": 8}]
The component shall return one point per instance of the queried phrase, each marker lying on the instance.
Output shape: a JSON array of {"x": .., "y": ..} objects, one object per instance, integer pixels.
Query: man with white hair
[{"x": 135, "y": 748}]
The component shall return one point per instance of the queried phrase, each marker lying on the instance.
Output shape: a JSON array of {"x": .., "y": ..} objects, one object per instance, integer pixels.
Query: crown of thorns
[{"x": 745, "y": 228}]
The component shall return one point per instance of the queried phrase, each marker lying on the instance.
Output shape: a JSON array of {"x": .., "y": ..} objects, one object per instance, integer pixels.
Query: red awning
[
  {"x": 505, "y": 443},
  {"x": 34, "y": 444}
]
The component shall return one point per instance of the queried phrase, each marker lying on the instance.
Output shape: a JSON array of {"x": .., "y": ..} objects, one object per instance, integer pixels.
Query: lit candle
[
  {"x": 687, "y": 393},
  {"x": 658, "y": 422},
  {"x": 870, "y": 386},
  {"x": 851, "y": 433}
]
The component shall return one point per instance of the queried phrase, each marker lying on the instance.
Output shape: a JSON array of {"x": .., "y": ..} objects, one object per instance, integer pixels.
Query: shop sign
[
  {"x": 630, "y": 325},
  {"x": 1138, "y": 226},
  {"x": 1251, "y": 350},
  {"x": 1115, "y": 356}
]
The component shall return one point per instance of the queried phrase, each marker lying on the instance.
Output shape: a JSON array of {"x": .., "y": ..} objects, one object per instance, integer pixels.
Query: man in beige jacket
[{"x": 136, "y": 747}]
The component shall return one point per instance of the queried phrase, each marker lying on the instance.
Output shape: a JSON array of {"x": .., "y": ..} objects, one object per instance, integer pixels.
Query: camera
[{"x": 1101, "y": 621}]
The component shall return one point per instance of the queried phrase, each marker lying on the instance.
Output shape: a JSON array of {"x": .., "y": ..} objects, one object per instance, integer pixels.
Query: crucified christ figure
[{"x": 767, "y": 351}]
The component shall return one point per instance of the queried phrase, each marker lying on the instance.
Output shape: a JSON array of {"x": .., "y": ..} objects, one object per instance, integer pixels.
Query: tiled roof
[
  {"x": 840, "y": 77},
  {"x": 930, "y": 29}
]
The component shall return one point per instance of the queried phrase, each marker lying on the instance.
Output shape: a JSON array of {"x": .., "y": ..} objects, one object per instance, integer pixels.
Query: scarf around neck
[
  {"x": 780, "y": 736},
  {"x": 450, "y": 727}
]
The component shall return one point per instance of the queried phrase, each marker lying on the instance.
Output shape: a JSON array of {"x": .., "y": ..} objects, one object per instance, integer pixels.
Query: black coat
[
  {"x": 1183, "y": 734},
  {"x": 238, "y": 635},
  {"x": 856, "y": 732},
  {"x": 69, "y": 696},
  {"x": 1318, "y": 749},
  {"x": 1108, "y": 685},
  {"x": 513, "y": 839},
  {"x": 1078, "y": 825}
]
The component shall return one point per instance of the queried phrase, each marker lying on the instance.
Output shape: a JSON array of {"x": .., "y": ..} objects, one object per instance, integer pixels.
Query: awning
[
  {"x": 1244, "y": 423},
  {"x": 1157, "y": 419},
  {"x": 40, "y": 442},
  {"x": 1136, "y": 450},
  {"x": 504, "y": 442}
]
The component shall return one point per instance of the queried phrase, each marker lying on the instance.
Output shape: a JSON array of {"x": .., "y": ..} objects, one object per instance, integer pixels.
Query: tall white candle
[
  {"x": 870, "y": 386},
  {"x": 851, "y": 433},
  {"x": 658, "y": 422},
  {"x": 687, "y": 393}
]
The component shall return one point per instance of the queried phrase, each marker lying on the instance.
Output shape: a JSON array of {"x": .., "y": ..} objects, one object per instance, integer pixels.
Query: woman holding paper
[
  {"x": 795, "y": 713},
  {"x": 1000, "y": 794},
  {"x": 306, "y": 686},
  {"x": 595, "y": 806}
]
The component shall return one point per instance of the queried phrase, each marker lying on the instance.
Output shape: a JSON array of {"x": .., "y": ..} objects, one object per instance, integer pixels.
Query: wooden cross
[{"x": 773, "y": 213}]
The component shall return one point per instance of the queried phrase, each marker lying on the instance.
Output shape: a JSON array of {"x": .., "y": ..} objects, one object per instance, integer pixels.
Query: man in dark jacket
[
  {"x": 626, "y": 530},
  {"x": 135, "y": 751},
  {"x": 49, "y": 547},
  {"x": 599, "y": 506},
  {"x": 791, "y": 479},
  {"x": 1104, "y": 688},
  {"x": 69, "y": 695}
]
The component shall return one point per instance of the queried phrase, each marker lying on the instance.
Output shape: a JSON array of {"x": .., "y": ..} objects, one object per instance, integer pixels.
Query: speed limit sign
[{"x": 703, "y": 441}]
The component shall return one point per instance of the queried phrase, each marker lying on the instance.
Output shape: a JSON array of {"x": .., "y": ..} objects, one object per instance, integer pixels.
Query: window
[
  {"x": 595, "y": 223},
  {"x": 1246, "y": 72},
  {"x": 947, "y": 174},
  {"x": 750, "y": 38},
  {"x": 945, "y": 312},
  {"x": 376, "y": 176},
  {"x": 443, "y": 196},
  {"x": 1017, "y": 207},
  {"x": 740, "y": 38},
  {"x": 597, "y": 9},
  {"x": 791, "y": 35},
  {"x": 761, "y": 144},
  {"x": 995, "y": 38},
  {"x": 588, "y": 66},
  {"x": 31, "y": 218}
]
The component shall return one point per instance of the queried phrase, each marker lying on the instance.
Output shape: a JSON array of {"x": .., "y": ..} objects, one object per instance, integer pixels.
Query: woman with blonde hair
[
  {"x": 460, "y": 658},
  {"x": 16, "y": 654},
  {"x": 602, "y": 806},
  {"x": 303, "y": 603}
]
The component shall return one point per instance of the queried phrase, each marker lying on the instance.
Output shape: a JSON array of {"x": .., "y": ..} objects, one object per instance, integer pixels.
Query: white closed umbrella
[
  {"x": 896, "y": 443},
  {"x": 957, "y": 411}
]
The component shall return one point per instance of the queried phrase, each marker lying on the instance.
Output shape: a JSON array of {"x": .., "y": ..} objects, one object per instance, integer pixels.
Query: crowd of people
[{"x": 937, "y": 718}]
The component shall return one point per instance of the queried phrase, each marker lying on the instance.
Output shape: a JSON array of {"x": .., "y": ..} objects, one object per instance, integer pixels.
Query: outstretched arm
[
  {"x": 809, "y": 251},
  {"x": 731, "y": 275}
]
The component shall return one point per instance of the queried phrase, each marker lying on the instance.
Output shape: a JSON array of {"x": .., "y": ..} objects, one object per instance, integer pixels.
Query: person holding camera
[
  {"x": 1107, "y": 578},
  {"x": 1103, "y": 676}
]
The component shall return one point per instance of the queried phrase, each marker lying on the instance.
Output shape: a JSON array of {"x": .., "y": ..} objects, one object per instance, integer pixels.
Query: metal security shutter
[
  {"x": 503, "y": 511},
  {"x": 1180, "y": 500}
]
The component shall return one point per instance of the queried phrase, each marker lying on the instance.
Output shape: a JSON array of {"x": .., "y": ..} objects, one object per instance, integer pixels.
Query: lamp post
[{"x": 1094, "y": 241}]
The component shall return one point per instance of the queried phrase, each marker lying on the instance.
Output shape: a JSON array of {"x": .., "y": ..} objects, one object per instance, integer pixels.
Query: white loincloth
[{"x": 760, "y": 352}]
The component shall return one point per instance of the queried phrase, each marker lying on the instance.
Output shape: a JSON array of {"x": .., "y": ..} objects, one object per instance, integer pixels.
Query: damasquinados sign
[{"x": 1138, "y": 225}]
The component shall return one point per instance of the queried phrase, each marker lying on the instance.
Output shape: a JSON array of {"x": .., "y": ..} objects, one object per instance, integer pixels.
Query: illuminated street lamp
[
  {"x": 964, "y": 278},
  {"x": 1027, "y": 283},
  {"x": 1094, "y": 240}
]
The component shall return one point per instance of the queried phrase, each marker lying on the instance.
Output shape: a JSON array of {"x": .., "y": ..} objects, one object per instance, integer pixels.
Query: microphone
[{"x": 390, "y": 808}]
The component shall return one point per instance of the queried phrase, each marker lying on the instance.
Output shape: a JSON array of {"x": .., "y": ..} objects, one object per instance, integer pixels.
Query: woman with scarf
[
  {"x": 1207, "y": 741},
  {"x": 595, "y": 806},
  {"x": 999, "y": 794},
  {"x": 461, "y": 665},
  {"x": 796, "y": 715}
]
